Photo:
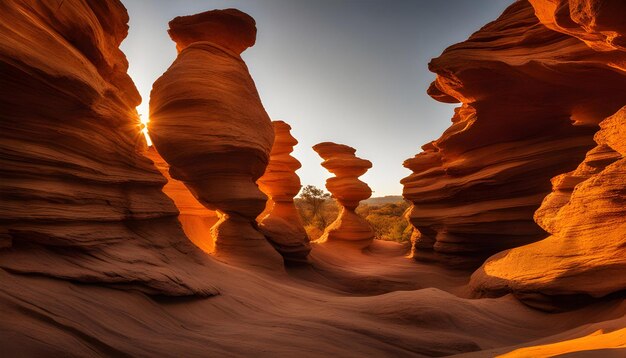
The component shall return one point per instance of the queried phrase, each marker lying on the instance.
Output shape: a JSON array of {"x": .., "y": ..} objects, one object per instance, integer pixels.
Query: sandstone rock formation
[
  {"x": 86, "y": 231},
  {"x": 349, "y": 227},
  {"x": 195, "y": 218},
  {"x": 531, "y": 100},
  {"x": 280, "y": 222},
  {"x": 585, "y": 255},
  {"x": 79, "y": 201},
  {"x": 208, "y": 123},
  {"x": 586, "y": 217}
]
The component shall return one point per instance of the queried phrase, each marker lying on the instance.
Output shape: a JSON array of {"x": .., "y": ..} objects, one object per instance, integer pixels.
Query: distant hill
[{"x": 382, "y": 200}]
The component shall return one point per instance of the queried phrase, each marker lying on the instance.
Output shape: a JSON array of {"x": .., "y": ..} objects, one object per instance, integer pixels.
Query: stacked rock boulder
[
  {"x": 346, "y": 187},
  {"x": 79, "y": 200},
  {"x": 532, "y": 97},
  {"x": 280, "y": 222},
  {"x": 208, "y": 123}
]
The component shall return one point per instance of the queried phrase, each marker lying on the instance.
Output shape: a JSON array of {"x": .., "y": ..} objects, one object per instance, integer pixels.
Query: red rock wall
[
  {"x": 532, "y": 98},
  {"x": 79, "y": 201},
  {"x": 585, "y": 255}
]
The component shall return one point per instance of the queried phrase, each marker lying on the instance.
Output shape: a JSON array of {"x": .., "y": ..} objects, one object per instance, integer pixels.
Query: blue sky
[{"x": 352, "y": 72}]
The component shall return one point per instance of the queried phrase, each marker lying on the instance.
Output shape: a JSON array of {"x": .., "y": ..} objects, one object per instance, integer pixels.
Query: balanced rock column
[
  {"x": 280, "y": 222},
  {"x": 208, "y": 123},
  {"x": 349, "y": 227}
]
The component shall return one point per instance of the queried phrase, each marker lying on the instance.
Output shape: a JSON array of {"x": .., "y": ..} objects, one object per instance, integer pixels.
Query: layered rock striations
[
  {"x": 532, "y": 98},
  {"x": 585, "y": 215},
  {"x": 195, "y": 218},
  {"x": 208, "y": 123},
  {"x": 280, "y": 222},
  {"x": 346, "y": 187},
  {"x": 79, "y": 201}
]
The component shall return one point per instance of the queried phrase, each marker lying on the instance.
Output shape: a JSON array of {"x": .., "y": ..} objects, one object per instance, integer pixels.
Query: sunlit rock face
[
  {"x": 586, "y": 217},
  {"x": 585, "y": 254},
  {"x": 79, "y": 201},
  {"x": 195, "y": 218},
  {"x": 208, "y": 123},
  {"x": 531, "y": 99},
  {"x": 346, "y": 187},
  {"x": 280, "y": 222}
]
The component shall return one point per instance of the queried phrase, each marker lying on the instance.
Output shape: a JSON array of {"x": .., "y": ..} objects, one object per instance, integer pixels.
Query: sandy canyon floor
[{"x": 346, "y": 303}]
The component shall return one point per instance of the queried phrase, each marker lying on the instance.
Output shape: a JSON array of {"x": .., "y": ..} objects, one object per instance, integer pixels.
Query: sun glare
[{"x": 144, "y": 128}]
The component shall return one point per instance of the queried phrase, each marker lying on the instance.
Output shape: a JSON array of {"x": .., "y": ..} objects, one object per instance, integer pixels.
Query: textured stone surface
[
  {"x": 281, "y": 222},
  {"x": 208, "y": 123},
  {"x": 195, "y": 218},
  {"x": 79, "y": 201},
  {"x": 531, "y": 101},
  {"x": 586, "y": 217},
  {"x": 346, "y": 187}
]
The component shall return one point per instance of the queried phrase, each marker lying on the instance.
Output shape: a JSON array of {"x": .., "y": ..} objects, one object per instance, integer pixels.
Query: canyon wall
[
  {"x": 532, "y": 96},
  {"x": 79, "y": 201},
  {"x": 585, "y": 255},
  {"x": 207, "y": 121}
]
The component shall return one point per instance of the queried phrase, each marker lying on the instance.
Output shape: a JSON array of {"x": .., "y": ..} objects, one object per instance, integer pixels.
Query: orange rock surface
[
  {"x": 585, "y": 254},
  {"x": 90, "y": 245},
  {"x": 346, "y": 187},
  {"x": 531, "y": 101},
  {"x": 195, "y": 218},
  {"x": 208, "y": 123},
  {"x": 586, "y": 217},
  {"x": 281, "y": 222},
  {"x": 80, "y": 202}
]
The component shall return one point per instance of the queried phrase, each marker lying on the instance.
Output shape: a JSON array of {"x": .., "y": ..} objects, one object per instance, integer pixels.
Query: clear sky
[{"x": 352, "y": 72}]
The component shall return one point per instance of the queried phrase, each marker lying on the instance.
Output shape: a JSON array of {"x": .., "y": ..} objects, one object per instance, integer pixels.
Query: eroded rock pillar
[
  {"x": 346, "y": 187},
  {"x": 208, "y": 123}
]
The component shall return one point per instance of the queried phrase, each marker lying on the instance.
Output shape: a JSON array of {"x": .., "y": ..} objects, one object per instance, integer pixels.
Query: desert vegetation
[{"x": 318, "y": 209}]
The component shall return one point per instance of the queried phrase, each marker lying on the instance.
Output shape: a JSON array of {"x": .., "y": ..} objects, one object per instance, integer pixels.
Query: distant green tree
[
  {"x": 318, "y": 210},
  {"x": 311, "y": 205}
]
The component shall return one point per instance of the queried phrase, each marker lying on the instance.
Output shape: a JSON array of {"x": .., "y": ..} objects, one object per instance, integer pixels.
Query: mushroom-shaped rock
[
  {"x": 280, "y": 222},
  {"x": 208, "y": 123},
  {"x": 340, "y": 160}
]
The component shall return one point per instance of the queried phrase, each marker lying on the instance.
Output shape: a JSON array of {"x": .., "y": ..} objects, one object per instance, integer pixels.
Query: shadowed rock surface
[
  {"x": 79, "y": 200},
  {"x": 281, "y": 222},
  {"x": 586, "y": 217},
  {"x": 195, "y": 218}
]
